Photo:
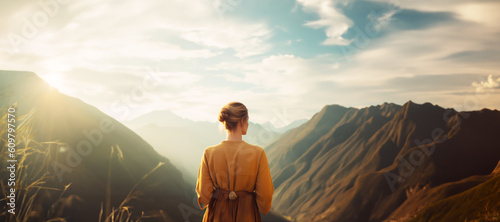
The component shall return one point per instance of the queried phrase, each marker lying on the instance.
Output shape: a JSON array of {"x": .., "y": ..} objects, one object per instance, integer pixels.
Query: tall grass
[
  {"x": 31, "y": 170},
  {"x": 33, "y": 176},
  {"x": 122, "y": 213}
]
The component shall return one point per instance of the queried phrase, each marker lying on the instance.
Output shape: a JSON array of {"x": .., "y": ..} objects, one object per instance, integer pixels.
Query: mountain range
[
  {"x": 389, "y": 162},
  {"x": 386, "y": 162}
]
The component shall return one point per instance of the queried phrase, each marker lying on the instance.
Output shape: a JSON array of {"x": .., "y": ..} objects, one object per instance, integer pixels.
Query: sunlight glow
[{"x": 55, "y": 81}]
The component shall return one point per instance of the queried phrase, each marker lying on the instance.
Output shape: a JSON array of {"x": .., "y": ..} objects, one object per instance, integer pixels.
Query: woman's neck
[{"x": 234, "y": 136}]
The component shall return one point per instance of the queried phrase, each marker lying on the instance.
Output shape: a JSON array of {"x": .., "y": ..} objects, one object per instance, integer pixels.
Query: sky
[{"x": 284, "y": 59}]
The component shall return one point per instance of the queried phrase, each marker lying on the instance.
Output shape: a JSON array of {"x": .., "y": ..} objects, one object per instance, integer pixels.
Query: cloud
[
  {"x": 284, "y": 74},
  {"x": 383, "y": 19},
  {"x": 475, "y": 56},
  {"x": 281, "y": 57},
  {"x": 416, "y": 52},
  {"x": 487, "y": 86},
  {"x": 89, "y": 45},
  {"x": 331, "y": 19},
  {"x": 430, "y": 83},
  {"x": 485, "y": 13},
  {"x": 481, "y": 12},
  {"x": 276, "y": 82},
  {"x": 104, "y": 30},
  {"x": 244, "y": 38}
]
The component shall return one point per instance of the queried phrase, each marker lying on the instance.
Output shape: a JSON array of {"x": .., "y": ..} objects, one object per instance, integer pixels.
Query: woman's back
[
  {"x": 234, "y": 180},
  {"x": 235, "y": 166}
]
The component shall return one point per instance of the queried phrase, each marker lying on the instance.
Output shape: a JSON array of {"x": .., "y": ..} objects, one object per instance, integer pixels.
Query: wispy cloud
[
  {"x": 245, "y": 39},
  {"x": 331, "y": 19}
]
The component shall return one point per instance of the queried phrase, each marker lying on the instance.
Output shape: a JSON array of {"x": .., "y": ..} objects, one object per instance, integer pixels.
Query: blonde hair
[{"x": 232, "y": 113}]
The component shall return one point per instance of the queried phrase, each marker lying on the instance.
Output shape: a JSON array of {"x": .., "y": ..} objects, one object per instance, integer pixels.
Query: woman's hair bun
[
  {"x": 223, "y": 115},
  {"x": 232, "y": 114}
]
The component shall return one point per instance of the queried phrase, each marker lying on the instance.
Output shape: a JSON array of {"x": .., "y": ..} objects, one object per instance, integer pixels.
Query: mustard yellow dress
[{"x": 234, "y": 166}]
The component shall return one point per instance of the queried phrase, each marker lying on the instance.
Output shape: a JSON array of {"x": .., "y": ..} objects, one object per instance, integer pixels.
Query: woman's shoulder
[
  {"x": 211, "y": 148},
  {"x": 253, "y": 146},
  {"x": 254, "y": 149}
]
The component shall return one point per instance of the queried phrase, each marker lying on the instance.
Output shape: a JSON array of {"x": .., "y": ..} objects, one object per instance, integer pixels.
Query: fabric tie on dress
[{"x": 232, "y": 197}]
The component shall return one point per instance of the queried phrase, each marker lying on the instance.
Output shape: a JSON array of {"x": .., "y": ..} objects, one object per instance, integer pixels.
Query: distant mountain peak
[
  {"x": 333, "y": 107},
  {"x": 497, "y": 169},
  {"x": 18, "y": 73},
  {"x": 10, "y": 77},
  {"x": 389, "y": 105},
  {"x": 412, "y": 110},
  {"x": 410, "y": 105}
]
